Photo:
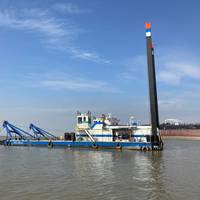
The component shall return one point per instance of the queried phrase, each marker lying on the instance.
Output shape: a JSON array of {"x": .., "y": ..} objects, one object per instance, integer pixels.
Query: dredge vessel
[{"x": 100, "y": 132}]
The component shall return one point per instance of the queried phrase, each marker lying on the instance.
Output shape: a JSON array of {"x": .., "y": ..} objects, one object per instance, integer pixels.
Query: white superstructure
[{"x": 107, "y": 129}]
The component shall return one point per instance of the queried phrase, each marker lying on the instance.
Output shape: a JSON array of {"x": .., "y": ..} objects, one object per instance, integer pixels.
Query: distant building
[{"x": 175, "y": 122}]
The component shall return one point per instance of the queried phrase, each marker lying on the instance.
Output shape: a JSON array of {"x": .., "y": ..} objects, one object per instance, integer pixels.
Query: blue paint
[
  {"x": 40, "y": 132},
  {"x": 11, "y": 129},
  {"x": 96, "y": 123},
  {"x": 148, "y": 30},
  {"x": 86, "y": 144}
]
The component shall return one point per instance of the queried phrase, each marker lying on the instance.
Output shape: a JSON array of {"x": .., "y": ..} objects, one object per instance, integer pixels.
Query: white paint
[{"x": 148, "y": 34}]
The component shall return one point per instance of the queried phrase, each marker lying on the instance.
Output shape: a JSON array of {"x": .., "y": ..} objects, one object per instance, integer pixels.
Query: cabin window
[
  {"x": 79, "y": 120},
  {"x": 84, "y": 119},
  {"x": 125, "y": 136},
  {"x": 121, "y": 134}
]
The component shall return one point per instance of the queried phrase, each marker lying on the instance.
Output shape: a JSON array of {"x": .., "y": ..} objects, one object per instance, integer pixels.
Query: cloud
[
  {"x": 172, "y": 67},
  {"x": 135, "y": 67},
  {"x": 169, "y": 77},
  {"x": 129, "y": 76},
  {"x": 57, "y": 33},
  {"x": 56, "y": 80},
  {"x": 78, "y": 85},
  {"x": 89, "y": 56},
  {"x": 69, "y": 8},
  {"x": 40, "y": 21},
  {"x": 177, "y": 66},
  {"x": 175, "y": 72},
  {"x": 178, "y": 76}
]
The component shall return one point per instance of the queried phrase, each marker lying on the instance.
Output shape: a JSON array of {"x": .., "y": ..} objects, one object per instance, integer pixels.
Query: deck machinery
[
  {"x": 41, "y": 134},
  {"x": 15, "y": 133},
  {"x": 103, "y": 131}
]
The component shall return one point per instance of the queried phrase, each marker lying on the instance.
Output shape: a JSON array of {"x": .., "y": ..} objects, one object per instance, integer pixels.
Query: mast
[{"x": 152, "y": 85}]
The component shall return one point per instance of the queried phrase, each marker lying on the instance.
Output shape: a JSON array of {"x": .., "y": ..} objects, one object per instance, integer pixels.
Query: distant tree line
[{"x": 180, "y": 126}]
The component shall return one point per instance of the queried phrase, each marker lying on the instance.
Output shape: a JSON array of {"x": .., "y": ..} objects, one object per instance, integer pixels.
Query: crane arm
[
  {"x": 38, "y": 131},
  {"x": 13, "y": 129}
]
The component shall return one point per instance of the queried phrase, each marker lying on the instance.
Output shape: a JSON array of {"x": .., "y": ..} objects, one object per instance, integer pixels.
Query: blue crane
[
  {"x": 38, "y": 132},
  {"x": 12, "y": 131}
]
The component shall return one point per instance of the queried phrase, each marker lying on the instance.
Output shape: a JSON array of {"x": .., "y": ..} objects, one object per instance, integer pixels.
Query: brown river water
[{"x": 40, "y": 173}]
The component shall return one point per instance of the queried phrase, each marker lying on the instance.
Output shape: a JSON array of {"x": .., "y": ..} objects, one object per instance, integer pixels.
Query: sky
[{"x": 58, "y": 57}]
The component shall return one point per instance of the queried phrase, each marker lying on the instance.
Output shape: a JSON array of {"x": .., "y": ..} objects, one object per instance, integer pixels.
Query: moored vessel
[{"x": 103, "y": 131}]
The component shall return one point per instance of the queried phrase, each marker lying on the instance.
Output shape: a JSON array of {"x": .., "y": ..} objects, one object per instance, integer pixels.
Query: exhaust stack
[{"x": 155, "y": 139}]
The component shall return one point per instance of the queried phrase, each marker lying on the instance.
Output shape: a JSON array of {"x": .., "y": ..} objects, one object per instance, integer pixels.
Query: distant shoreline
[
  {"x": 183, "y": 134},
  {"x": 181, "y": 137}
]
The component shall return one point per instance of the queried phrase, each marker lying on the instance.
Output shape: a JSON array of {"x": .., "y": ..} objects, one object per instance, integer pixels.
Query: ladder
[{"x": 89, "y": 135}]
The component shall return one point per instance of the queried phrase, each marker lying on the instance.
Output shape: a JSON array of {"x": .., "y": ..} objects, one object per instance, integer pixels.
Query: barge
[
  {"x": 103, "y": 131},
  {"x": 93, "y": 132}
]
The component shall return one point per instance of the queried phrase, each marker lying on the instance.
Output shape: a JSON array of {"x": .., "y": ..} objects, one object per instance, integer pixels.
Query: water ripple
[{"x": 41, "y": 173}]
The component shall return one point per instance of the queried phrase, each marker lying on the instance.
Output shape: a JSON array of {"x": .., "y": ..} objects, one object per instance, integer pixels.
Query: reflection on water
[{"x": 41, "y": 173}]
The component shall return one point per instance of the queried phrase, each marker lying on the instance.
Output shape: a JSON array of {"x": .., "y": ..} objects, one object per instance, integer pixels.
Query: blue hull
[{"x": 57, "y": 143}]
